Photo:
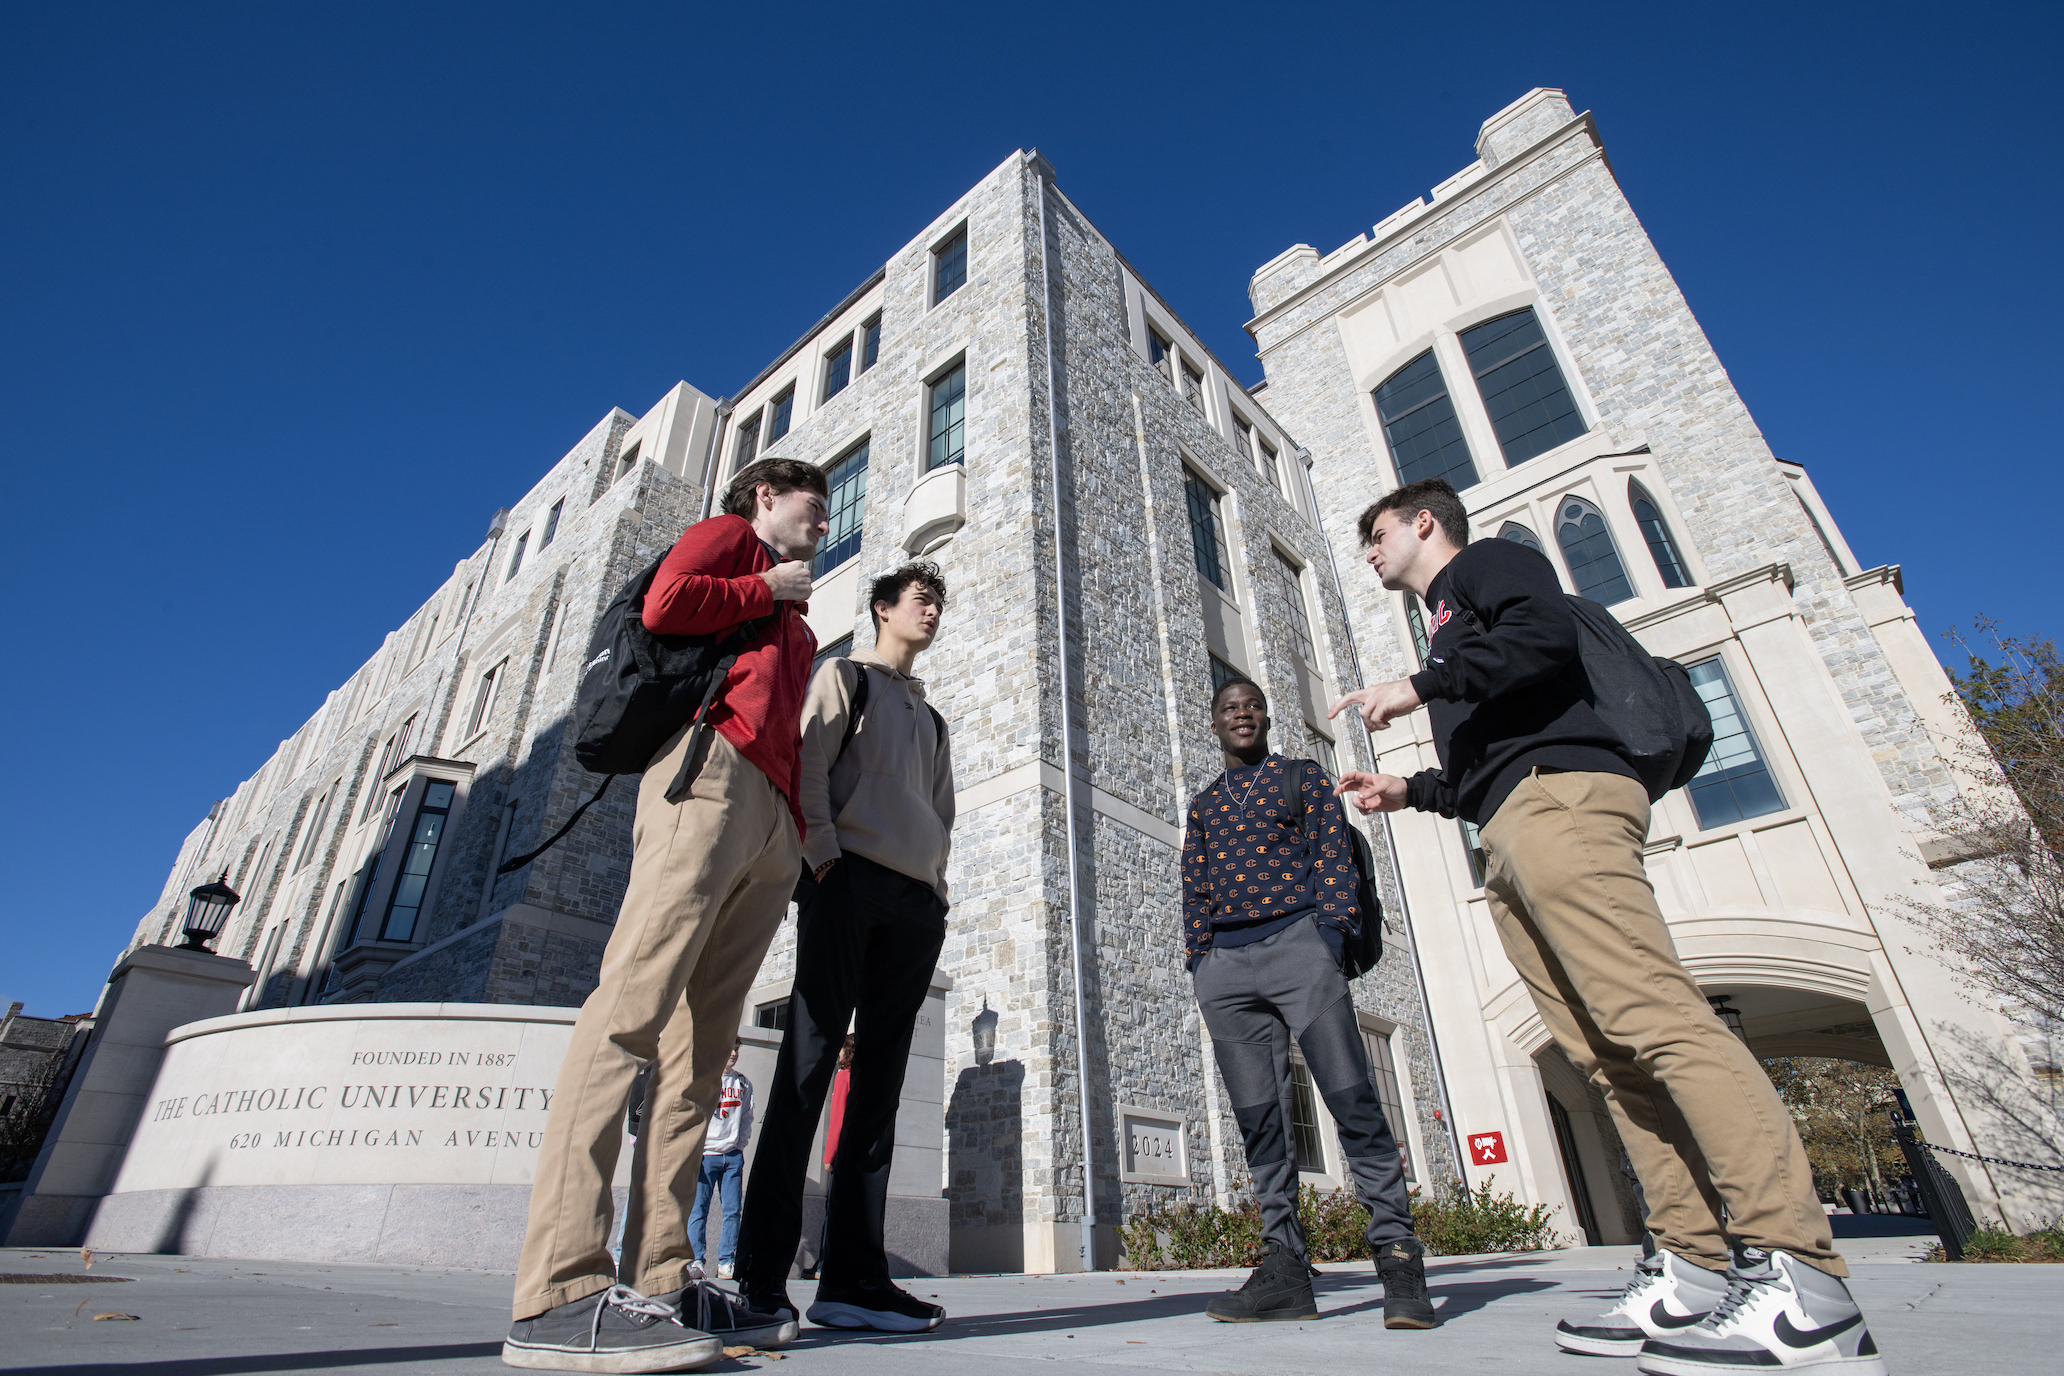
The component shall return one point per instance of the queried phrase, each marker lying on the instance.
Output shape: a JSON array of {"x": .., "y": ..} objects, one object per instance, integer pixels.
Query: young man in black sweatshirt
[
  {"x": 1526, "y": 757},
  {"x": 1268, "y": 904}
]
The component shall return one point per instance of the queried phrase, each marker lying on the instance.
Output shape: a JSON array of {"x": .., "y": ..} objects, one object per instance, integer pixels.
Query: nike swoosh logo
[
  {"x": 1663, "y": 1318},
  {"x": 1792, "y": 1337}
]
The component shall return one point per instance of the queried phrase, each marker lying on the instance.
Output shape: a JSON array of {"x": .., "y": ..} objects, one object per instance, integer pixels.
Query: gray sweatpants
[{"x": 1254, "y": 999}]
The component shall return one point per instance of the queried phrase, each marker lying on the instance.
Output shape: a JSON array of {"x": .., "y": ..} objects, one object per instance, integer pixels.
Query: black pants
[
  {"x": 867, "y": 942},
  {"x": 1255, "y": 999}
]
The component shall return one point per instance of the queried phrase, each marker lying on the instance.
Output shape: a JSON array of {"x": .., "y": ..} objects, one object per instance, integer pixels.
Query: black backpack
[
  {"x": 637, "y": 688},
  {"x": 1648, "y": 701},
  {"x": 1365, "y": 947}
]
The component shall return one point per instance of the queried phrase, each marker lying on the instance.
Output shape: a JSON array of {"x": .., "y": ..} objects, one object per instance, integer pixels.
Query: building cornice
[
  {"x": 1416, "y": 224},
  {"x": 1716, "y": 594}
]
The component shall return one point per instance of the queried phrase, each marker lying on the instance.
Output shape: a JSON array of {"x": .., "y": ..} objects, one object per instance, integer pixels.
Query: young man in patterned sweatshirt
[{"x": 1268, "y": 903}]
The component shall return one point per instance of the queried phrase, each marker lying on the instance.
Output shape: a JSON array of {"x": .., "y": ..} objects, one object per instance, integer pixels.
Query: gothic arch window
[
  {"x": 1520, "y": 535},
  {"x": 1587, "y": 546},
  {"x": 1649, "y": 517},
  {"x": 1529, "y": 404},
  {"x": 1420, "y": 426}
]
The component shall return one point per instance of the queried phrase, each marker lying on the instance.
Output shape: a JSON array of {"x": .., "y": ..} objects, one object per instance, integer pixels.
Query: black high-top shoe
[
  {"x": 1402, "y": 1266},
  {"x": 1278, "y": 1291}
]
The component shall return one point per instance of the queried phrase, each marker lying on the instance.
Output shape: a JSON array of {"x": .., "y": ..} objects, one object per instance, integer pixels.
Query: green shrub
[
  {"x": 1453, "y": 1221},
  {"x": 1992, "y": 1244},
  {"x": 2047, "y": 1245}
]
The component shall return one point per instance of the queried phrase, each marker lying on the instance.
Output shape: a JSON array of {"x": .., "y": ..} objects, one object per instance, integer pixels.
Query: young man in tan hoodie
[{"x": 877, "y": 794}]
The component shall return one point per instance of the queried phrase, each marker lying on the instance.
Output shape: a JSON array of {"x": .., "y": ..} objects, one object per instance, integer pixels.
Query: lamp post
[{"x": 206, "y": 910}]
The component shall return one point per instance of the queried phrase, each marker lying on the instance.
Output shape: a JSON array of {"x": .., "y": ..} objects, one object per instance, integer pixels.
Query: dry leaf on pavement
[{"x": 98, "y": 1317}]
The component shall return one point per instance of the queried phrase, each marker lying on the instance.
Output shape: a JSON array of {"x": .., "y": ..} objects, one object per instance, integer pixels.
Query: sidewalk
[{"x": 200, "y": 1317}]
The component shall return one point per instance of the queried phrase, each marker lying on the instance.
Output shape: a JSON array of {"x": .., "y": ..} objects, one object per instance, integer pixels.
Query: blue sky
[{"x": 296, "y": 295}]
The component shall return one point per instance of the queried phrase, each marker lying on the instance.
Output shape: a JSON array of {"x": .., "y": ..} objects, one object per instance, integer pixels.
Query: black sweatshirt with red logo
[{"x": 1503, "y": 683}]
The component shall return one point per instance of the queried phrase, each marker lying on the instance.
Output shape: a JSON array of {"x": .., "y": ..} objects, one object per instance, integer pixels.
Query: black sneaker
[
  {"x": 768, "y": 1299},
  {"x": 875, "y": 1304},
  {"x": 1402, "y": 1265},
  {"x": 616, "y": 1329},
  {"x": 1279, "y": 1291},
  {"x": 733, "y": 1320},
  {"x": 1667, "y": 1295}
]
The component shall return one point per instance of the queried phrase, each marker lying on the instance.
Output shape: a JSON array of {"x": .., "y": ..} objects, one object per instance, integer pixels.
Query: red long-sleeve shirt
[{"x": 711, "y": 582}]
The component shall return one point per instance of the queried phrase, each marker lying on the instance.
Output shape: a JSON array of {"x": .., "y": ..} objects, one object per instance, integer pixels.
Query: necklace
[{"x": 1254, "y": 780}]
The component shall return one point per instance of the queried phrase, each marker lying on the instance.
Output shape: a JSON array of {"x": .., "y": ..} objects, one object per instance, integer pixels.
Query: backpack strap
[
  {"x": 854, "y": 708},
  {"x": 719, "y": 676}
]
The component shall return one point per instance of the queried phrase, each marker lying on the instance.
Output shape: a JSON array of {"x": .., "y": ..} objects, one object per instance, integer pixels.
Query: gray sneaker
[
  {"x": 617, "y": 1329},
  {"x": 1668, "y": 1295},
  {"x": 1779, "y": 1313}
]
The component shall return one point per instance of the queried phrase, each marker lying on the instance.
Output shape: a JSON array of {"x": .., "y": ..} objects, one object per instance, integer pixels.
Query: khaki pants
[
  {"x": 1705, "y": 1129},
  {"x": 710, "y": 882}
]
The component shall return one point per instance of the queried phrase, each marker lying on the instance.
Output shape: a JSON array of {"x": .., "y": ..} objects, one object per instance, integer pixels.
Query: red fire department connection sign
[{"x": 1487, "y": 1148}]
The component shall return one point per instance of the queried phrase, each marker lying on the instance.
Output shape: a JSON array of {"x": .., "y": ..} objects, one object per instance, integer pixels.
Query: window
[
  {"x": 1322, "y": 748},
  {"x": 1305, "y": 1142},
  {"x": 1415, "y": 620},
  {"x": 1207, "y": 531},
  {"x": 1158, "y": 350},
  {"x": 395, "y": 751},
  {"x": 748, "y": 443},
  {"x": 1273, "y": 469},
  {"x": 1734, "y": 783},
  {"x": 780, "y": 413},
  {"x": 516, "y": 559},
  {"x": 1594, "y": 563},
  {"x": 1222, "y": 673},
  {"x": 949, "y": 420},
  {"x": 1520, "y": 535},
  {"x": 838, "y": 369},
  {"x": 1472, "y": 844},
  {"x": 630, "y": 460},
  {"x": 838, "y": 649},
  {"x": 483, "y": 698},
  {"x": 1300, "y": 619},
  {"x": 848, "y": 483},
  {"x": 311, "y": 843},
  {"x": 552, "y": 523},
  {"x": 1383, "y": 1071},
  {"x": 1660, "y": 546},
  {"x": 772, "y": 1015},
  {"x": 1420, "y": 426},
  {"x": 413, "y": 881},
  {"x": 1531, "y": 409},
  {"x": 1193, "y": 386},
  {"x": 870, "y": 344},
  {"x": 1243, "y": 437},
  {"x": 949, "y": 267}
]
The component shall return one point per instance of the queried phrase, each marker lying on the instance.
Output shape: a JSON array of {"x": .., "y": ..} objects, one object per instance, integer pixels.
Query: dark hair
[
  {"x": 1234, "y": 682},
  {"x": 783, "y": 475},
  {"x": 1428, "y": 494},
  {"x": 889, "y": 587}
]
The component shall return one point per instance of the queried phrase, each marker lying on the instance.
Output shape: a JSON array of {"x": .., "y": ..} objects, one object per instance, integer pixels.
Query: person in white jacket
[{"x": 723, "y": 1168}]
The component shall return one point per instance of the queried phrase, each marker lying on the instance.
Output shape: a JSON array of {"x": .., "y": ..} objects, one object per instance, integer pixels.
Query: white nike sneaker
[
  {"x": 1781, "y": 1314},
  {"x": 1667, "y": 1295}
]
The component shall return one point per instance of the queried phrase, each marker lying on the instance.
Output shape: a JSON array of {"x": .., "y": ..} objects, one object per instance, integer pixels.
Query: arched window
[
  {"x": 1420, "y": 426},
  {"x": 1649, "y": 517},
  {"x": 1587, "y": 547},
  {"x": 1520, "y": 535},
  {"x": 1530, "y": 406}
]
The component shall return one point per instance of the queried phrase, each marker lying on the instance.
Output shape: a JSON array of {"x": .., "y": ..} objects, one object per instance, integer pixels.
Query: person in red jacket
[{"x": 712, "y": 868}]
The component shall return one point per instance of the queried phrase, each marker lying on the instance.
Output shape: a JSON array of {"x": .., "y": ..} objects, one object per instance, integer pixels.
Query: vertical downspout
[
  {"x": 1053, "y": 441},
  {"x": 1440, "y": 1074},
  {"x": 709, "y": 459}
]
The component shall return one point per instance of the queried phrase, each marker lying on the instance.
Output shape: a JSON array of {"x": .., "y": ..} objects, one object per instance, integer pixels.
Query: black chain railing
[
  {"x": 1941, "y": 1195},
  {"x": 1992, "y": 1160}
]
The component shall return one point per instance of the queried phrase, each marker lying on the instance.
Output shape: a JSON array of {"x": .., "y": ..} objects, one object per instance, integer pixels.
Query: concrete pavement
[{"x": 205, "y": 1317}]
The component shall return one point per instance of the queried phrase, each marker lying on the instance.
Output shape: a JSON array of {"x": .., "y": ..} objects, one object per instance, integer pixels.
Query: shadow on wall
[{"x": 984, "y": 1168}]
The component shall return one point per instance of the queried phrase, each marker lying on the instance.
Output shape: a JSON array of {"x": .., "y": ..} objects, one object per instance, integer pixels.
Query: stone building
[
  {"x": 1121, "y": 523},
  {"x": 1519, "y": 335},
  {"x": 37, "y": 1057}
]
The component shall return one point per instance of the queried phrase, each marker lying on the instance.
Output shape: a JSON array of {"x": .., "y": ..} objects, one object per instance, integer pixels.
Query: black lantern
[
  {"x": 985, "y": 1034},
  {"x": 1730, "y": 1015},
  {"x": 206, "y": 911}
]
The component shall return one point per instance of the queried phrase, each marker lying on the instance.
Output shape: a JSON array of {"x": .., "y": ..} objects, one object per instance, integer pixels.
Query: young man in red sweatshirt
[{"x": 712, "y": 868}]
